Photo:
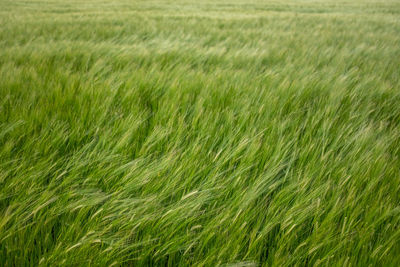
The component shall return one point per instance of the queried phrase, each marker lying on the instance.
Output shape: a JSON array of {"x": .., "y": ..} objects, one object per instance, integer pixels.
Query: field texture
[{"x": 234, "y": 133}]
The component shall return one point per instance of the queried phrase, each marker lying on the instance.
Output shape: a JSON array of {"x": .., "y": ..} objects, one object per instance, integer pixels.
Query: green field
[{"x": 203, "y": 133}]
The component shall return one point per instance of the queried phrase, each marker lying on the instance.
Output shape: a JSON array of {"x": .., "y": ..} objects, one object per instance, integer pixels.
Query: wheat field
[{"x": 199, "y": 133}]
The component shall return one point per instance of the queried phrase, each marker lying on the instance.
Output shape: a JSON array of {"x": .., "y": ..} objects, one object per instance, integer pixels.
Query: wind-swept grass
[{"x": 199, "y": 133}]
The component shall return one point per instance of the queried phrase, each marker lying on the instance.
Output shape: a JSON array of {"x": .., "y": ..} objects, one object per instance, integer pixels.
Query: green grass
[{"x": 238, "y": 133}]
